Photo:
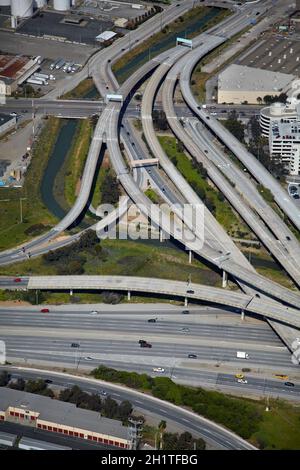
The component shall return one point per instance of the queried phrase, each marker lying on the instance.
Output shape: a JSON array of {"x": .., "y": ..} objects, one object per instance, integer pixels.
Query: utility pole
[{"x": 21, "y": 208}]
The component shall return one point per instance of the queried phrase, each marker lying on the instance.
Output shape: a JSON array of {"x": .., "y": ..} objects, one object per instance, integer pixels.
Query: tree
[
  {"x": 259, "y": 100},
  {"x": 235, "y": 126},
  {"x": 124, "y": 410},
  {"x": 19, "y": 384},
  {"x": 4, "y": 378},
  {"x": 161, "y": 427}
]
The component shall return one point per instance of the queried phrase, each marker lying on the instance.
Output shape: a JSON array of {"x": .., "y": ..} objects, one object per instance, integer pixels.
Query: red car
[
  {"x": 17, "y": 279},
  {"x": 45, "y": 310}
]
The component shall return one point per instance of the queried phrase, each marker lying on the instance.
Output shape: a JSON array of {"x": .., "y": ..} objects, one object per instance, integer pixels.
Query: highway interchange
[{"x": 28, "y": 333}]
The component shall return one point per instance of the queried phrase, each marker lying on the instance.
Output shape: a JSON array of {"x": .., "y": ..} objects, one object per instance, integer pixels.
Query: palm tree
[
  {"x": 161, "y": 427},
  {"x": 259, "y": 100}
]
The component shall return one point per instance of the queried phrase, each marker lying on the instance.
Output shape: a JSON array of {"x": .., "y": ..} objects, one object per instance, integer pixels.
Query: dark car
[
  {"x": 145, "y": 345},
  {"x": 289, "y": 384},
  {"x": 190, "y": 291},
  {"x": 185, "y": 312},
  {"x": 48, "y": 381},
  {"x": 192, "y": 356},
  {"x": 152, "y": 320}
]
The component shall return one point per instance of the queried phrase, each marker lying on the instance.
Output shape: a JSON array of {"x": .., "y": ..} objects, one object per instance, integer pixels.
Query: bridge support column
[
  {"x": 225, "y": 279},
  {"x": 242, "y": 314},
  {"x": 185, "y": 302},
  {"x": 161, "y": 235},
  {"x": 190, "y": 257},
  {"x": 71, "y": 291},
  {"x": 129, "y": 296}
]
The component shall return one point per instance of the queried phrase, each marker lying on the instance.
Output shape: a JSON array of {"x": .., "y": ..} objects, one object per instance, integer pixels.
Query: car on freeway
[
  {"x": 185, "y": 312},
  {"x": 282, "y": 376},
  {"x": 185, "y": 329},
  {"x": 48, "y": 381},
  {"x": 190, "y": 291},
  {"x": 94, "y": 312},
  {"x": 88, "y": 358},
  {"x": 242, "y": 381},
  {"x": 75, "y": 345},
  {"x": 289, "y": 384},
  {"x": 239, "y": 376},
  {"x": 13, "y": 114},
  {"x": 145, "y": 344},
  {"x": 17, "y": 279},
  {"x": 103, "y": 393},
  {"x": 158, "y": 369},
  {"x": 192, "y": 356},
  {"x": 152, "y": 320},
  {"x": 45, "y": 310}
]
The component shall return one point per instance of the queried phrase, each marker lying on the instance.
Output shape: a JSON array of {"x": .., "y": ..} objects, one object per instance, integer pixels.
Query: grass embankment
[
  {"x": 74, "y": 165},
  {"x": 120, "y": 257},
  {"x": 85, "y": 89},
  {"x": 223, "y": 212},
  {"x": 275, "y": 429},
  {"x": 190, "y": 24},
  {"x": 36, "y": 217}
]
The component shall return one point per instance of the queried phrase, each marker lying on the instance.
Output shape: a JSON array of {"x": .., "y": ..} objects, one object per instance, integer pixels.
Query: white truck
[{"x": 242, "y": 355}]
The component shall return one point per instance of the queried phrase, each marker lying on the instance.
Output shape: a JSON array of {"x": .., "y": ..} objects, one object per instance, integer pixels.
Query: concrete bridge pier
[
  {"x": 129, "y": 296},
  {"x": 185, "y": 302},
  {"x": 242, "y": 314},
  {"x": 225, "y": 279}
]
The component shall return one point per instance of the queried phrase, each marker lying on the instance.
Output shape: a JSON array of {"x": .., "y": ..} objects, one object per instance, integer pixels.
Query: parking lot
[
  {"x": 275, "y": 53},
  {"x": 110, "y": 10},
  {"x": 15, "y": 44},
  {"x": 53, "y": 24}
]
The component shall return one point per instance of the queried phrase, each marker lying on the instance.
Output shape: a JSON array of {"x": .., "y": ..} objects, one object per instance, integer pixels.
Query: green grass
[
  {"x": 76, "y": 160},
  {"x": 12, "y": 232},
  {"x": 83, "y": 88},
  {"x": 153, "y": 196},
  {"x": 124, "y": 257},
  {"x": 224, "y": 214},
  {"x": 280, "y": 428}
]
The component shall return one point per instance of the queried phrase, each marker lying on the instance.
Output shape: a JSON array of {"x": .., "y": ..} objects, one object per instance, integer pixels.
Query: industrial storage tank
[
  {"x": 5, "y": 3},
  {"x": 62, "y": 5},
  {"x": 40, "y": 3},
  {"x": 21, "y": 8}
]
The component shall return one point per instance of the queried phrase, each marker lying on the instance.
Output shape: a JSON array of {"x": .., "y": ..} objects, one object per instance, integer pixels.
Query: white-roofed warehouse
[{"x": 238, "y": 84}]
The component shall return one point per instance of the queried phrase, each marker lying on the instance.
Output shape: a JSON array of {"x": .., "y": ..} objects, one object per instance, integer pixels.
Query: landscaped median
[{"x": 277, "y": 428}]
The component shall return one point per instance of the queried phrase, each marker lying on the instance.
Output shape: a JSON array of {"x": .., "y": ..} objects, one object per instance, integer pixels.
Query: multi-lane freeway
[{"x": 111, "y": 337}]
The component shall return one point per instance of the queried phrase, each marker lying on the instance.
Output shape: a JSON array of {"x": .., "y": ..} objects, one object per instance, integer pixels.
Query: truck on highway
[{"x": 242, "y": 355}]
